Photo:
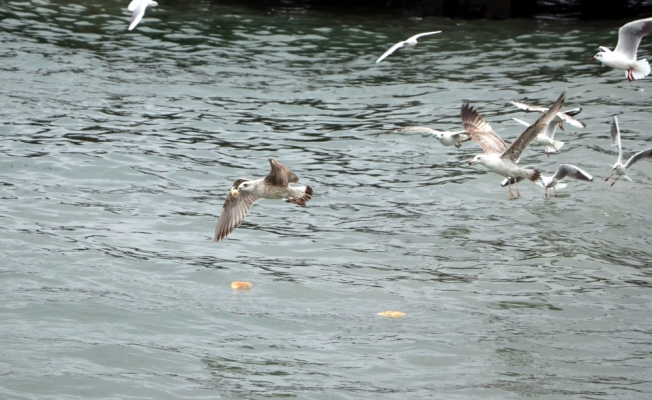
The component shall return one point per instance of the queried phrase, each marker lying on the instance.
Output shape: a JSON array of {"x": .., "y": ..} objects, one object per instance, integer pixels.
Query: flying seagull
[
  {"x": 564, "y": 116},
  {"x": 410, "y": 42},
  {"x": 499, "y": 157},
  {"x": 546, "y": 138},
  {"x": 446, "y": 138},
  {"x": 618, "y": 168},
  {"x": 554, "y": 181},
  {"x": 245, "y": 192},
  {"x": 624, "y": 55},
  {"x": 137, "y": 7}
]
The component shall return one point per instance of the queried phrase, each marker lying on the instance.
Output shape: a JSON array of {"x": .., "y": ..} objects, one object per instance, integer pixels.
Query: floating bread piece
[
  {"x": 241, "y": 285},
  {"x": 392, "y": 314},
  {"x": 234, "y": 192}
]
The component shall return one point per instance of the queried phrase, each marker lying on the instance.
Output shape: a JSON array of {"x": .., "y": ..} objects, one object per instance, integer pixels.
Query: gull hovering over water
[
  {"x": 245, "y": 192},
  {"x": 619, "y": 168},
  {"x": 410, "y": 42},
  {"x": 446, "y": 138},
  {"x": 624, "y": 55},
  {"x": 554, "y": 181},
  {"x": 499, "y": 157},
  {"x": 138, "y": 7}
]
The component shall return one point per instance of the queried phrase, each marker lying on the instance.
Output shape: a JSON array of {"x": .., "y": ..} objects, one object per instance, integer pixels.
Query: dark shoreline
[{"x": 467, "y": 9}]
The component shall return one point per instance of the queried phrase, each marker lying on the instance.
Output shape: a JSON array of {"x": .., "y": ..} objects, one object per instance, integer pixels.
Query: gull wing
[
  {"x": 234, "y": 211},
  {"x": 571, "y": 171},
  {"x": 641, "y": 155},
  {"x": 528, "y": 107},
  {"x": 415, "y": 37},
  {"x": 280, "y": 175},
  {"x": 630, "y": 35},
  {"x": 138, "y": 13},
  {"x": 565, "y": 117},
  {"x": 514, "y": 151},
  {"x": 520, "y": 121},
  {"x": 572, "y": 112},
  {"x": 480, "y": 131},
  {"x": 134, "y": 4},
  {"x": 615, "y": 139},
  {"x": 417, "y": 129},
  {"x": 390, "y": 51}
]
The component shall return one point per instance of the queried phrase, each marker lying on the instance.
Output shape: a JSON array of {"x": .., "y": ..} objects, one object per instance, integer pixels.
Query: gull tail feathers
[
  {"x": 303, "y": 195},
  {"x": 533, "y": 174},
  {"x": 641, "y": 69}
]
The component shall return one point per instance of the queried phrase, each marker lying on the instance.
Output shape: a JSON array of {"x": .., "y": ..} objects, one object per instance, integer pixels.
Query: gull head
[
  {"x": 477, "y": 159},
  {"x": 234, "y": 192},
  {"x": 601, "y": 55},
  {"x": 247, "y": 187}
]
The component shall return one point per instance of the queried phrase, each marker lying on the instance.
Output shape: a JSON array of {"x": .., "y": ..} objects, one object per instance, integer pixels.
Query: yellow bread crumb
[
  {"x": 392, "y": 314},
  {"x": 241, "y": 285}
]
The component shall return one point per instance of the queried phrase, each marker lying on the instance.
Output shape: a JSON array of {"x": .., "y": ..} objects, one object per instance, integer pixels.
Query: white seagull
[
  {"x": 618, "y": 168},
  {"x": 624, "y": 55},
  {"x": 446, "y": 138},
  {"x": 564, "y": 116},
  {"x": 554, "y": 181},
  {"x": 546, "y": 138},
  {"x": 138, "y": 7},
  {"x": 410, "y": 42},
  {"x": 498, "y": 157},
  {"x": 245, "y": 192}
]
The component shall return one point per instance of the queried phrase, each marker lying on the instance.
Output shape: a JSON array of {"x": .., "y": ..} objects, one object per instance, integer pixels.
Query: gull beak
[
  {"x": 592, "y": 58},
  {"x": 234, "y": 192},
  {"x": 471, "y": 162}
]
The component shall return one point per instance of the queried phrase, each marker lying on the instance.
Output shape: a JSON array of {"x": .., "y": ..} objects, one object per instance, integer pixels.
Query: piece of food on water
[
  {"x": 234, "y": 192},
  {"x": 392, "y": 314},
  {"x": 241, "y": 285}
]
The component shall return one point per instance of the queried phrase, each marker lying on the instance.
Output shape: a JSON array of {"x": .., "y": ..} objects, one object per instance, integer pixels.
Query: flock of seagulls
[{"x": 499, "y": 156}]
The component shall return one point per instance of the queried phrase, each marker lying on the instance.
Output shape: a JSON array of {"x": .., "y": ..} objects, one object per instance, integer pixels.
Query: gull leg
[
  {"x": 615, "y": 180},
  {"x": 518, "y": 194},
  {"x": 612, "y": 172},
  {"x": 555, "y": 189},
  {"x": 547, "y": 154},
  {"x": 546, "y": 192},
  {"x": 630, "y": 75},
  {"x": 509, "y": 187}
]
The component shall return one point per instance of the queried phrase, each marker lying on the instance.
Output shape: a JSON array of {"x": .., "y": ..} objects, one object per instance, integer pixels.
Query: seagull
[
  {"x": 564, "y": 116},
  {"x": 410, "y": 42},
  {"x": 624, "y": 55},
  {"x": 498, "y": 157},
  {"x": 245, "y": 192},
  {"x": 618, "y": 168},
  {"x": 446, "y": 138},
  {"x": 546, "y": 138},
  {"x": 554, "y": 181},
  {"x": 137, "y": 7}
]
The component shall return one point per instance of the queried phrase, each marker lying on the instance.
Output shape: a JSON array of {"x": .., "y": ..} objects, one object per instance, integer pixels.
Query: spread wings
[
  {"x": 480, "y": 131},
  {"x": 234, "y": 211}
]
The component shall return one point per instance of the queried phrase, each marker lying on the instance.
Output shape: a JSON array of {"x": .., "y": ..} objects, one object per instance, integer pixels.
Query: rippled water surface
[{"x": 118, "y": 148}]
